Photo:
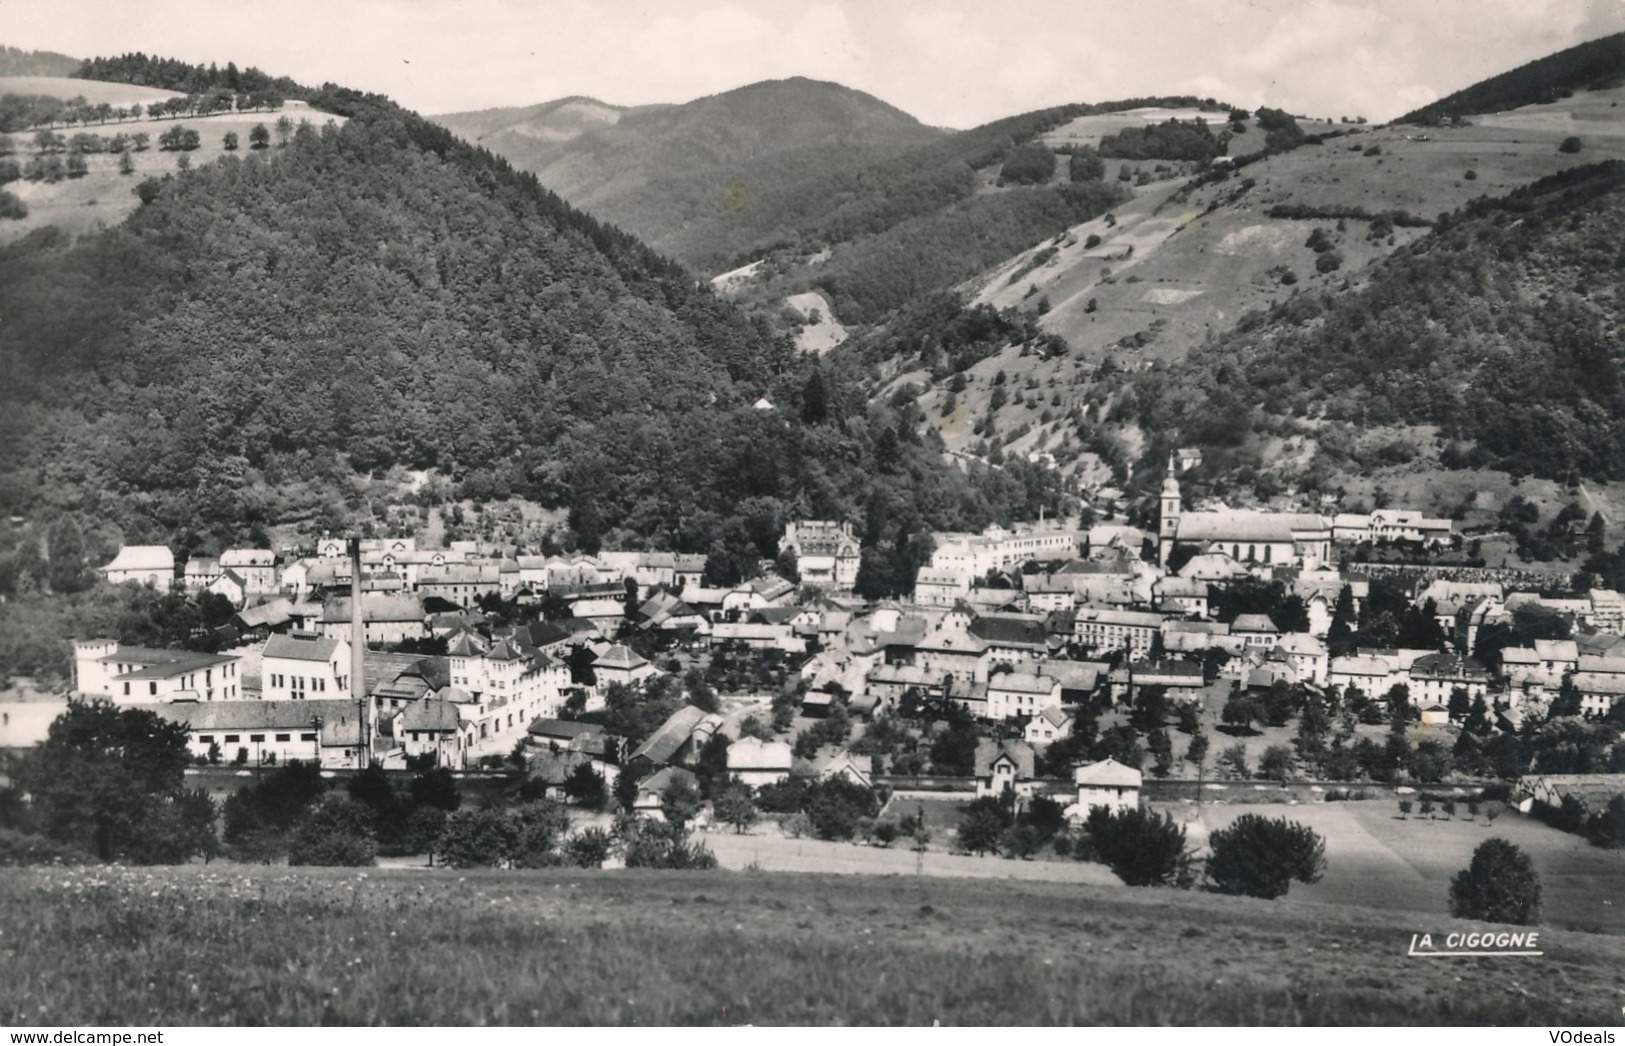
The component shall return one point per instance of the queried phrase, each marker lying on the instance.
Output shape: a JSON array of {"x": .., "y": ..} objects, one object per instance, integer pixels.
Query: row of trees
[{"x": 20, "y": 112}]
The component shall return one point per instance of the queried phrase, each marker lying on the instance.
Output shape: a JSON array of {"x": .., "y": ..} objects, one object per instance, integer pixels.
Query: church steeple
[{"x": 1168, "y": 519}]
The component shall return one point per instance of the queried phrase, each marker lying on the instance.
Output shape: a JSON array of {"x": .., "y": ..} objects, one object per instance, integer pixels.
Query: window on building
[
  {"x": 233, "y": 738},
  {"x": 284, "y": 737},
  {"x": 205, "y": 739},
  {"x": 126, "y": 689},
  {"x": 152, "y": 689},
  {"x": 256, "y": 738},
  {"x": 307, "y": 737}
]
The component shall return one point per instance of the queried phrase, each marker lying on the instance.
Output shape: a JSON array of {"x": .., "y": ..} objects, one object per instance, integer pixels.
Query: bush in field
[
  {"x": 735, "y": 806},
  {"x": 1260, "y": 857},
  {"x": 477, "y": 839},
  {"x": 982, "y": 825},
  {"x": 178, "y": 830},
  {"x": 1500, "y": 885},
  {"x": 589, "y": 848},
  {"x": 645, "y": 843},
  {"x": 1141, "y": 848},
  {"x": 338, "y": 831},
  {"x": 539, "y": 830},
  {"x": 18, "y": 850}
]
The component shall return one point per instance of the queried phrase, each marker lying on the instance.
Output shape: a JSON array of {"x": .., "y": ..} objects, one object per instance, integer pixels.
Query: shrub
[
  {"x": 797, "y": 826},
  {"x": 982, "y": 825},
  {"x": 338, "y": 831},
  {"x": 1500, "y": 885},
  {"x": 18, "y": 850},
  {"x": 1405, "y": 807},
  {"x": 589, "y": 848},
  {"x": 1571, "y": 144},
  {"x": 476, "y": 839},
  {"x": 12, "y": 206},
  {"x": 1259, "y": 857},
  {"x": 1141, "y": 848}
]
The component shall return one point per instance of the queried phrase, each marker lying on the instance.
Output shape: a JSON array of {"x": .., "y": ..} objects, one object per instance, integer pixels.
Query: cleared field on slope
[
  {"x": 103, "y": 196},
  {"x": 93, "y": 91},
  {"x": 230, "y": 945}
]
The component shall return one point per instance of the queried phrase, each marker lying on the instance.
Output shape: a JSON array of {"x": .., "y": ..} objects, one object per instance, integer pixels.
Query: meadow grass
[{"x": 249, "y": 945}]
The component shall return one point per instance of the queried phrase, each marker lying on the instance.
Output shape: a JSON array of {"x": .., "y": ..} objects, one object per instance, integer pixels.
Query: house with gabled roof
[
  {"x": 1011, "y": 694},
  {"x": 756, "y": 762},
  {"x": 299, "y": 666},
  {"x": 1004, "y": 766},
  {"x": 386, "y": 618},
  {"x": 1050, "y": 725},
  {"x": 649, "y": 802},
  {"x": 1108, "y": 784},
  {"x": 431, "y": 726}
]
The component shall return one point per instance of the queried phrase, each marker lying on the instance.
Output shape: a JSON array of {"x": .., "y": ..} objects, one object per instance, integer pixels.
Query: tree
[
  {"x": 1240, "y": 710},
  {"x": 436, "y": 788},
  {"x": 1141, "y": 847},
  {"x": 586, "y": 788},
  {"x": 1276, "y": 763},
  {"x": 982, "y": 825},
  {"x": 230, "y": 141},
  {"x": 1236, "y": 756},
  {"x": 1259, "y": 857},
  {"x": 1500, "y": 885},
  {"x": 259, "y": 137},
  {"x": 338, "y": 831},
  {"x": 1571, "y": 144},
  {"x": 104, "y": 773},
  {"x": 735, "y": 806},
  {"x": 680, "y": 802},
  {"x": 589, "y": 848}
]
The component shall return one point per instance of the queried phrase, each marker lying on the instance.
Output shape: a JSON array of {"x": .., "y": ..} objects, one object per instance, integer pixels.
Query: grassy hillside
[
  {"x": 1184, "y": 261},
  {"x": 1500, "y": 328},
  {"x": 230, "y": 945},
  {"x": 1588, "y": 66}
]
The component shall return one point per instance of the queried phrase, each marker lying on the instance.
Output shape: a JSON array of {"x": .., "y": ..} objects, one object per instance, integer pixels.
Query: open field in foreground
[
  {"x": 250, "y": 945},
  {"x": 1374, "y": 857}
]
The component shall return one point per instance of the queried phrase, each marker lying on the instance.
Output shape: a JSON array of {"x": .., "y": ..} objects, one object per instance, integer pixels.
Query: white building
[
  {"x": 129, "y": 675},
  {"x": 303, "y": 666},
  {"x": 1109, "y": 784},
  {"x": 144, "y": 564}
]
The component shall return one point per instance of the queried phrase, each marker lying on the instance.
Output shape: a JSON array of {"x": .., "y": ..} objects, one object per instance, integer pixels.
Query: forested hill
[
  {"x": 268, "y": 329},
  {"x": 1588, "y": 66},
  {"x": 14, "y": 61},
  {"x": 1502, "y": 327},
  {"x": 672, "y": 174}
]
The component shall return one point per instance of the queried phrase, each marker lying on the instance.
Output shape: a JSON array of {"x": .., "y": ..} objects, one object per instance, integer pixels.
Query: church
[{"x": 1275, "y": 539}]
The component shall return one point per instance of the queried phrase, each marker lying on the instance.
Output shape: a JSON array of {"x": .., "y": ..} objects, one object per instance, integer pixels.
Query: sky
[{"x": 951, "y": 63}]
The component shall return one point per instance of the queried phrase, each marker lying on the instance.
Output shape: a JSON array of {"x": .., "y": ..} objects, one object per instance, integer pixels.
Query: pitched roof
[
  {"x": 1004, "y": 629},
  {"x": 375, "y": 608},
  {"x": 274, "y": 612},
  {"x": 1108, "y": 773},
  {"x": 990, "y": 752},
  {"x": 663, "y": 744},
  {"x": 143, "y": 557},
  {"x": 621, "y": 658},
  {"x": 1022, "y": 683},
  {"x": 429, "y": 714},
  {"x": 301, "y": 646},
  {"x": 1253, "y": 623},
  {"x": 161, "y": 664},
  {"x": 259, "y": 715},
  {"x": 751, "y": 753}
]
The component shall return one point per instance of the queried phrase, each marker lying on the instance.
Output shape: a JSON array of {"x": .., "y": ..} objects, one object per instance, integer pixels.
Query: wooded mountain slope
[
  {"x": 267, "y": 328},
  {"x": 661, "y": 170},
  {"x": 1588, "y": 66}
]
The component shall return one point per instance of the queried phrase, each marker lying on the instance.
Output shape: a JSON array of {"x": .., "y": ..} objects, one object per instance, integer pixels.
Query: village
[{"x": 1042, "y": 660}]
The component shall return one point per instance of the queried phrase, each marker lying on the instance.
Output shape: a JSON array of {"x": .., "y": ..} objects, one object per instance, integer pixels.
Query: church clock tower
[{"x": 1168, "y": 520}]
